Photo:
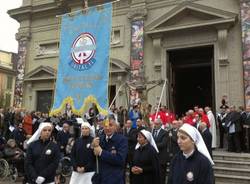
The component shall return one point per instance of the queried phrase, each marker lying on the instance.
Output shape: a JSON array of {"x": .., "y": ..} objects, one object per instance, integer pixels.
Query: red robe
[{"x": 204, "y": 118}]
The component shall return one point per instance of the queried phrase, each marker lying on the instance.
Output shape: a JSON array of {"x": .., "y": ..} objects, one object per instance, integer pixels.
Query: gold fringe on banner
[{"x": 85, "y": 107}]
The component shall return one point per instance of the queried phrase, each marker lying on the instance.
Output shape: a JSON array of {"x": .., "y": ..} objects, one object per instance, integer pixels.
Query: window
[
  {"x": 47, "y": 49},
  {"x": 9, "y": 82},
  {"x": 7, "y": 99},
  {"x": 117, "y": 37}
]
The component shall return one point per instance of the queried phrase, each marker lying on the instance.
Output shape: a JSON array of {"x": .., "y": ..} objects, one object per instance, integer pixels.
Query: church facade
[{"x": 194, "y": 47}]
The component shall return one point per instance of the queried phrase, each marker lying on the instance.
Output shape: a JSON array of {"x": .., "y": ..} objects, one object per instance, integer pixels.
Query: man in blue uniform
[{"x": 111, "y": 149}]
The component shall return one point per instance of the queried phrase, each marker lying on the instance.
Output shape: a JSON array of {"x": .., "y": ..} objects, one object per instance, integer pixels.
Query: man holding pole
[{"x": 111, "y": 150}]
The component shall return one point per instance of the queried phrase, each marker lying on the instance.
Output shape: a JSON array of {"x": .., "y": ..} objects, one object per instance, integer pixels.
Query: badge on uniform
[
  {"x": 113, "y": 151},
  {"x": 88, "y": 146},
  {"x": 48, "y": 152},
  {"x": 190, "y": 176}
]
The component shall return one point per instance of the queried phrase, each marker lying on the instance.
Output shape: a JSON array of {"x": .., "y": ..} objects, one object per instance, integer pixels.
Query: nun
[
  {"x": 193, "y": 164},
  {"x": 43, "y": 156},
  {"x": 145, "y": 164},
  {"x": 82, "y": 156}
]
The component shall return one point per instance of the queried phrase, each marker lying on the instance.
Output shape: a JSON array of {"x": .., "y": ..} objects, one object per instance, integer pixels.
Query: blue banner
[{"x": 83, "y": 69}]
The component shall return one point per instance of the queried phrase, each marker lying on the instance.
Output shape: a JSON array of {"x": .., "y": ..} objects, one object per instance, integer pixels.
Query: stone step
[
  {"x": 232, "y": 171},
  {"x": 242, "y": 157},
  {"x": 223, "y": 178},
  {"x": 230, "y": 164}
]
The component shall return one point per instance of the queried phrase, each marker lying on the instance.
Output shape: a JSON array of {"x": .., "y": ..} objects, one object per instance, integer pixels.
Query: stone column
[
  {"x": 245, "y": 20},
  {"x": 221, "y": 66},
  {"x": 157, "y": 48},
  {"x": 23, "y": 39},
  {"x": 137, "y": 15}
]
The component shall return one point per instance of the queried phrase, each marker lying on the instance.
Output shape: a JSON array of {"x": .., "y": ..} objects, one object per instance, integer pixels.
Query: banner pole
[
  {"x": 164, "y": 85},
  {"x": 86, "y": 8},
  {"x": 116, "y": 95}
]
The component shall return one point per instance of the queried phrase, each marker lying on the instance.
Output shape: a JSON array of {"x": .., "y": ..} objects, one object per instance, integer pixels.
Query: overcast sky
[{"x": 9, "y": 26}]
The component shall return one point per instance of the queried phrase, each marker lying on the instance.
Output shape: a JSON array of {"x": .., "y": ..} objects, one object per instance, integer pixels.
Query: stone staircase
[{"x": 231, "y": 168}]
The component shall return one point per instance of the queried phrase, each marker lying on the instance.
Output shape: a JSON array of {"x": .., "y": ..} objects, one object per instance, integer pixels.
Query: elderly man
[
  {"x": 63, "y": 138},
  {"x": 172, "y": 138},
  {"x": 234, "y": 129},
  {"x": 207, "y": 136},
  {"x": 160, "y": 137},
  {"x": 131, "y": 134},
  {"x": 111, "y": 149}
]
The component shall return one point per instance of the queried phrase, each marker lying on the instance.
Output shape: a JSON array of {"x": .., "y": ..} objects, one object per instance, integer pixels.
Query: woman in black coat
[
  {"x": 193, "y": 164},
  {"x": 145, "y": 164},
  {"x": 43, "y": 156},
  {"x": 82, "y": 156}
]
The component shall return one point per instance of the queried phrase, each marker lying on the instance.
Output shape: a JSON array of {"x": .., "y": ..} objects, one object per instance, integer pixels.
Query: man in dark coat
[
  {"x": 160, "y": 137},
  {"x": 131, "y": 134},
  {"x": 19, "y": 135},
  {"x": 207, "y": 136},
  {"x": 234, "y": 129},
  {"x": 243, "y": 115},
  {"x": 111, "y": 149},
  {"x": 246, "y": 126},
  {"x": 221, "y": 124},
  {"x": 63, "y": 138},
  {"x": 7, "y": 122},
  {"x": 173, "y": 147}
]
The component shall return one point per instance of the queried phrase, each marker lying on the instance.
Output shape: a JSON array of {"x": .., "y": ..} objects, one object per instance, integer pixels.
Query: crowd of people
[{"x": 149, "y": 143}]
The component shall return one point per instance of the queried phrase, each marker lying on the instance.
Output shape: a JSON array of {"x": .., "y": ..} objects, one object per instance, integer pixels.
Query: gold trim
[{"x": 69, "y": 100}]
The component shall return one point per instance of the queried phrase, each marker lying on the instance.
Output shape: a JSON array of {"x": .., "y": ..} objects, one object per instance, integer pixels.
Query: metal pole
[
  {"x": 164, "y": 85},
  {"x": 116, "y": 95},
  {"x": 86, "y": 8}
]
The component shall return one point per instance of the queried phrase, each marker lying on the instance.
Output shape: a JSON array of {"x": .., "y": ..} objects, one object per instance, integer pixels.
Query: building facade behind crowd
[{"x": 39, "y": 49}]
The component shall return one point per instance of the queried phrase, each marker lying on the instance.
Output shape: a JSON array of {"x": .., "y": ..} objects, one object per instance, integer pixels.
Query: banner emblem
[{"x": 83, "y": 51}]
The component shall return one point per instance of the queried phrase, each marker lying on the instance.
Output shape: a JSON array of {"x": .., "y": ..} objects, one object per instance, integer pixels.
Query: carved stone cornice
[
  {"x": 138, "y": 10},
  {"x": 137, "y": 14},
  {"x": 222, "y": 47},
  {"x": 23, "y": 36},
  {"x": 218, "y": 18},
  {"x": 26, "y": 12}
]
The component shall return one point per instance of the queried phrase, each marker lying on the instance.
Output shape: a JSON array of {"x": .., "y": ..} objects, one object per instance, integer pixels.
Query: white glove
[{"x": 40, "y": 180}]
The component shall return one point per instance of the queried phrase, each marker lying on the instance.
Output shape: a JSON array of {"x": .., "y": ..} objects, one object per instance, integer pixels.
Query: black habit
[{"x": 146, "y": 158}]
